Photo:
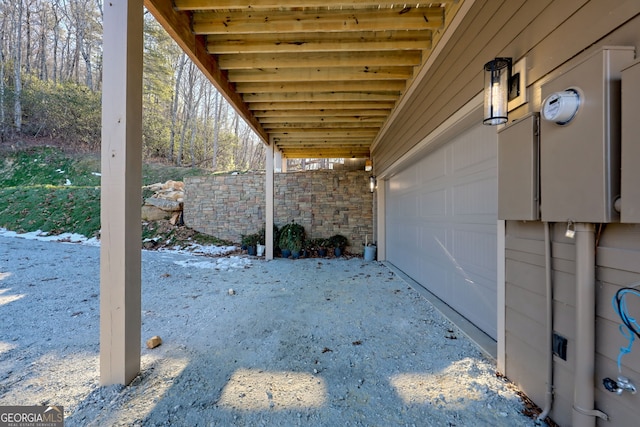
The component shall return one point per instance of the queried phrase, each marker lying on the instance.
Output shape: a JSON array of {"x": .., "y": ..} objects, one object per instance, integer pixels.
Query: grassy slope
[{"x": 41, "y": 188}]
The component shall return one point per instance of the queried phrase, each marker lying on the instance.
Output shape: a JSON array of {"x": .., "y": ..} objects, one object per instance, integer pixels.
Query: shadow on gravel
[{"x": 288, "y": 342}]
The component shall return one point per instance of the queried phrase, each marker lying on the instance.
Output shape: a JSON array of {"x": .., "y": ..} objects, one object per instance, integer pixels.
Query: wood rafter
[
  {"x": 317, "y": 20},
  {"x": 318, "y": 77}
]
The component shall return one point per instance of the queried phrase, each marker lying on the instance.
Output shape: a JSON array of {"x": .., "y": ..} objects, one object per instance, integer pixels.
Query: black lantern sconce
[
  {"x": 372, "y": 183},
  {"x": 503, "y": 89},
  {"x": 496, "y": 86}
]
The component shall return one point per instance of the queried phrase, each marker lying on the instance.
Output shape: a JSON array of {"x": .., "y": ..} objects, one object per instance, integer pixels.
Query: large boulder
[
  {"x": 153, "y": 213},
  {"x": 166, "y": 202}
]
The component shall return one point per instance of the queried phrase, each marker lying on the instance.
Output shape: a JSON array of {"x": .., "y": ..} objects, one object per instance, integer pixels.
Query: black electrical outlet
[{"x": 560, "y": 346}]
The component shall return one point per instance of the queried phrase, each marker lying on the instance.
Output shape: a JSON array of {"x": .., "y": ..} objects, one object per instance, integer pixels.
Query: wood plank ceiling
[{"x": 318, "y": 78}]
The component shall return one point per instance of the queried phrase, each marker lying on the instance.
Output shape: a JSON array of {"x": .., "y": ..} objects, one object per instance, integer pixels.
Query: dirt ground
[{"x": 246, "y": 342}]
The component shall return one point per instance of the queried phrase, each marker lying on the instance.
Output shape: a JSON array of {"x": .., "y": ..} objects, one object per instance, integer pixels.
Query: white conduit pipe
[
  {"x": 548, "y": 402},
  {"x": 583, "y": 386}
]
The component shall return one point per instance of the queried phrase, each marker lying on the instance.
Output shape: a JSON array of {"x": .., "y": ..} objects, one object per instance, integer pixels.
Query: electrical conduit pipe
[
  {"x": 584, "y": 414},
  {"x": 548, "y": 403}
]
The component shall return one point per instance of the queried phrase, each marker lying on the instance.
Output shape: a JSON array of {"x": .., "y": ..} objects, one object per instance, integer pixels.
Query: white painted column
[
  {"x": 120, "y": 250},
  {"x": 269, "y": 200},
  {"x": 501, "y": 303},
  {"x": 277, "y": 161},
  {"x": 381, "y": 220}
]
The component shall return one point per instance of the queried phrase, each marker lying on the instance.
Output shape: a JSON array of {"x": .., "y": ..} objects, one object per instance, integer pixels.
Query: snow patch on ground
[
  {"x": 46, "y": 237},
  {"x": 217, "y": 263},
  {"x": 222, "y": 262}
]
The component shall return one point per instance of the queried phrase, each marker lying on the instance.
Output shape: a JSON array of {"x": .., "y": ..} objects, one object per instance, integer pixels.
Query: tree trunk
[
  {"x": 3, "y": 122},
  {"x": 43, "y": 72},
  {"x": 206, "y": 118},
  {"x": 56, "y": 40},
  {"x": 17, "y": 68},
  {"x": 174, "y": 108},
  {"x": 28, "y": 39},
  {"x": 188, "y": 108},
  {"x": 216, "y": 131}
]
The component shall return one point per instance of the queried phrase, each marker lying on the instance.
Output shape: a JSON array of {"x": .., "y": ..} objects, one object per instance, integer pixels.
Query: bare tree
[
  {"x": 3, "y": 122},
  {"x": 17, "y": 69},
  {"x": 182, "y": 61},
  {"x": 188, "y": 107},
  {"x": 208, "y": 89},
  {"x": 216, "y": 131},
  {"x": 41, "y": 54},
  {"x": 56, "y": 22}
]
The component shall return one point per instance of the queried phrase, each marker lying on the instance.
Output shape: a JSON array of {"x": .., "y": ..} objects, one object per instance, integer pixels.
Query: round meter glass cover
[{"x": 561, "y": 107}]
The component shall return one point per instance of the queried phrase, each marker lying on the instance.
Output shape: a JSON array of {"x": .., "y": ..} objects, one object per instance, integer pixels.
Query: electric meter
[{"x": 561, "y": 107}]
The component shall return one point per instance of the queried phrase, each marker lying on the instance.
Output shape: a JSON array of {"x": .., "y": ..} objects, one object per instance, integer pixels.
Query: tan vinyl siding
[
  {"x": 551, "y": 35},
  {"x": 547, "y": 33},
  {"x": 525, "y": 313},
  {"x": 618, "y": 259}
]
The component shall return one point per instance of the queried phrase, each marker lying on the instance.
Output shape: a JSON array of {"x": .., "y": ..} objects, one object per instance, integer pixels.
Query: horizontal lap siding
[
  {"x": 525, "y": 340},
  {"x": 618, "y": 265},
  {"x": 618, "y": 260},
  {"x": 548, "y": 33}
]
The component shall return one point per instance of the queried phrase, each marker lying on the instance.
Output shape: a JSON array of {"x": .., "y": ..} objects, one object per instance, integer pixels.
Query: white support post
[
  {"x": 269, "y": 201},
  {"x": 120, "y": 250},
  {"x": 501, "y": 303},
  {"x": 381, "y": 219},
  {"x": 278, "y": 161}
]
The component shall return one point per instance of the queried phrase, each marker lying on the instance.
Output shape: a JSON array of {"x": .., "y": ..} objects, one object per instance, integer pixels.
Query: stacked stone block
[{"x": 325, "y": 202}]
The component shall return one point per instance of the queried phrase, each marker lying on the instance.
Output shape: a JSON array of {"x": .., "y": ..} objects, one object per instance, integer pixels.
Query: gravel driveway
[{"x": 315, "y": 342}]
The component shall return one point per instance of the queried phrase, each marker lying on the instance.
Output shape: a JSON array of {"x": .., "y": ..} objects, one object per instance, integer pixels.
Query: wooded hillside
[{"x": 50, "y": 86}]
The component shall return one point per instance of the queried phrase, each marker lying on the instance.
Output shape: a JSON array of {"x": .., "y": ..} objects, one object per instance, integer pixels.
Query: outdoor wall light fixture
[
  {"x": 372, "y": 183},
  {"x": 501, "y": 86},
  {"x": 497, "y": 74},
  {"x": 368, "y": 165}
]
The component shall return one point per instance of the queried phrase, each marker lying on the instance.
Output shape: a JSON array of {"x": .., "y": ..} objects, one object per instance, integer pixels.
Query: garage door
[{"x": 441, "y": 217}]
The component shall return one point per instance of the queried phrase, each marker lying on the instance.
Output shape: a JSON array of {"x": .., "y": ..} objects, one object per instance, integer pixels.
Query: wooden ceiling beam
[
  {"x": 322, "y": 74},
  {"x": 326, "y": 86},
  {"x": 284, "y": 127},
  {"x": 303, "y": 145},
  {"x": 327, "y": 106},
  {"x": 250, "y": 98},
  {"x": 320, "y": 153},
  {"x": 323, "y": 134},
  {"x": 275, "y": 4},
  {"x": 320, "y": 113},
  {"x": 320, "y": 60},
  {"x": 365, "y": 41},
  {"x": 317, "y": 20},
  {"x": 311, "y": 120}
]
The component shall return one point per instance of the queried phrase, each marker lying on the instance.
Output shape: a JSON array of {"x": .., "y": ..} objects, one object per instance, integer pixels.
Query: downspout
[
  {"x": 584, "y": 414},
  {"x": 548, "y": 402}
]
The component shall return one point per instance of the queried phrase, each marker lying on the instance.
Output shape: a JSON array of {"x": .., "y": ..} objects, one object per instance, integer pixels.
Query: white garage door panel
[{"x": 441, "y": 218}]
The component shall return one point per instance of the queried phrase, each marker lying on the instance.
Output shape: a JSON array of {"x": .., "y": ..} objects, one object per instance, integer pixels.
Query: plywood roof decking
[{"x": 317, "y": 77}]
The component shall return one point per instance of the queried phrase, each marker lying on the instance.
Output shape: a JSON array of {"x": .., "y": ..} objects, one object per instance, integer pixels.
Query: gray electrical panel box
[
  {"x": 518, "y": 177},
  {"x": 580, "y": 139},
  {"x": 630, "y": 181}
]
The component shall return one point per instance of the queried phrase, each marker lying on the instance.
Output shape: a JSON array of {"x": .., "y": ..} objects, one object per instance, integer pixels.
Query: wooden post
[
  {"x": 120, "y": 215},
  {"x": 269, "y": 200},
  {"x": 381, "y": 228}
]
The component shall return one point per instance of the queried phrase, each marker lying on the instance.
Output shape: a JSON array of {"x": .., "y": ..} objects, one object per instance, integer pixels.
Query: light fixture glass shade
[
  {"x": 372, "y": 183},
  {"x": 368, "y": 165},
  {"x": 496, "y": 91}
]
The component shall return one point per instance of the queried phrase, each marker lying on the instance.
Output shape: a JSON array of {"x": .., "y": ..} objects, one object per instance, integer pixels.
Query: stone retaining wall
[{"x": 325, "y": 202}]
